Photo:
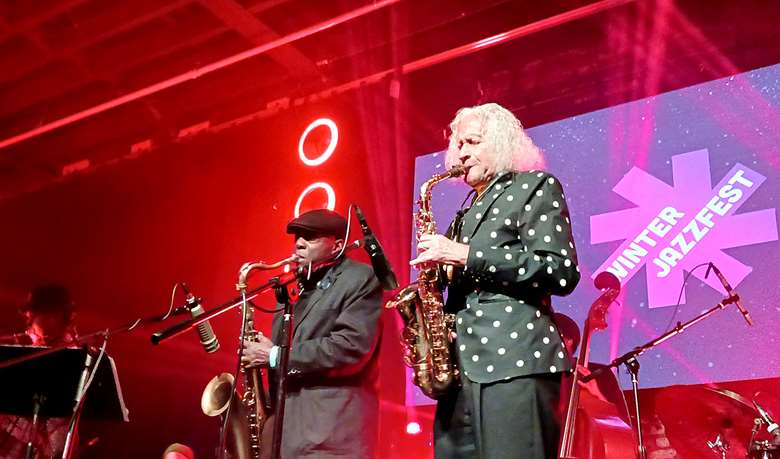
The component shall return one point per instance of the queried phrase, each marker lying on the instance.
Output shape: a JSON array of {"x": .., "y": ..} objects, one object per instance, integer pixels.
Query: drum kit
[
  {"x": 764, "y": 442},
  {"x": 742, "y": 427}
]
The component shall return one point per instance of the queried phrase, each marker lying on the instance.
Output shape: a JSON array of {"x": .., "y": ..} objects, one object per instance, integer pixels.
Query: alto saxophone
[{"x": 427, "y": 333}]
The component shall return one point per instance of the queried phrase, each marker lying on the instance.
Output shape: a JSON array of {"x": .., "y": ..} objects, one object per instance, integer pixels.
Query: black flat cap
[{"x": 319, "y": 222}]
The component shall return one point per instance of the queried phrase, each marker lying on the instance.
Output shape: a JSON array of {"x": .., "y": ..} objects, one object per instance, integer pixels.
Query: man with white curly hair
[{"x": 512, "y": 249}]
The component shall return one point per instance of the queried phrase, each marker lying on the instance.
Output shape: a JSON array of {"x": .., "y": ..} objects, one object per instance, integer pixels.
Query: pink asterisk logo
[{"x": 675, "y": 228}]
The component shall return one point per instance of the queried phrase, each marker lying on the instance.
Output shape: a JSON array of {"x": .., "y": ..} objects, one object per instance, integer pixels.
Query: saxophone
[
  {"x": 254, "y": 399},
  {"x": 248, "y": 420},
  {"x": 426, "y": 336}
]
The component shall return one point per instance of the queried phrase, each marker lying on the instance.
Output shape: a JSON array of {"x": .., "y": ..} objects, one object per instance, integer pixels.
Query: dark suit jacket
[
  {"x": 332, "y": 406},
  {"x": 521, "y": 251}
]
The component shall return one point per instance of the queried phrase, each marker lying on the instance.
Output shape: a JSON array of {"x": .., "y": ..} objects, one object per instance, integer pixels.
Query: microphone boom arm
[
  {"x": 284, "y": 279},
  {"x": 680, "y": 328}
]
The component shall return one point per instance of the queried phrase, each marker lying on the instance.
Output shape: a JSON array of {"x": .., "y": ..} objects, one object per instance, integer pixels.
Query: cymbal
[
  {"x": 693, "y": 415},
  {"x": 734, "y": 396}
]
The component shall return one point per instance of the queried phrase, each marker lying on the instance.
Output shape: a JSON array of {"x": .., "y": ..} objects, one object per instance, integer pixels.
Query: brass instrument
[
  {"x": 215, "y": 401},
  {"x": 248, "y": 419},
  {"x": 427, "y": 333}
]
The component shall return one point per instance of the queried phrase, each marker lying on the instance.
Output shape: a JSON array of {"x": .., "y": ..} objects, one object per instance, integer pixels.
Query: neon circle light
[
  {"x": 328, "y": 190},
  {"x": 334, "y": 140}
]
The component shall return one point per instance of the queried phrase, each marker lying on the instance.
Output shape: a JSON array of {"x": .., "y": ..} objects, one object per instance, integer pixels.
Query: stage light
[
  {"x": 413, "y": 428},
  {"x": 328, "y": 191},
  {"x": 334, "y": 140}
]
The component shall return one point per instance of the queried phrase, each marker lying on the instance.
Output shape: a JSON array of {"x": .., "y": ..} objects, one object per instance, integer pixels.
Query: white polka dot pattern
[{"x": 520, "y": 245}]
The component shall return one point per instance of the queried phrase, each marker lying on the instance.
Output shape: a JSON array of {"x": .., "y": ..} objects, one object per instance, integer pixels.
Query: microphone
[
  {"x": 207, "y": 337},
  {"x": 382, "y": 269},
  {"x": 732, "y": 294}
]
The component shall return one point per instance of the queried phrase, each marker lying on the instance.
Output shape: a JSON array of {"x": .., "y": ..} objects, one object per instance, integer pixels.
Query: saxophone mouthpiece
[{"x": 457, "y": 171}]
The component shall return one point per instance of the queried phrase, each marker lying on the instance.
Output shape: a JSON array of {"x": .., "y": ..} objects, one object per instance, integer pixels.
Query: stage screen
[{"x": 656, "y": 187}]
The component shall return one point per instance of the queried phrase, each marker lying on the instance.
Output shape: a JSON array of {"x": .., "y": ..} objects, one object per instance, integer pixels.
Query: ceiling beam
[
  {"x": 235, "y": 16},
  {"x": 43, "y": 15},
  {"x": 99, "y": 29},
  {"x": 195, "y": 73}
]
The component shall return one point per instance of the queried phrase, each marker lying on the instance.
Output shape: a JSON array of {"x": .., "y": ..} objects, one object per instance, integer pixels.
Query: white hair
[{"x": 502, "y": 131}]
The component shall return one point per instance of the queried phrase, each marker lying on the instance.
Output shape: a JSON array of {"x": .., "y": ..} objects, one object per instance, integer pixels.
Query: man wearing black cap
[
  {"x": 49, "y": 312},
  {"x": 332, "y": 405}
]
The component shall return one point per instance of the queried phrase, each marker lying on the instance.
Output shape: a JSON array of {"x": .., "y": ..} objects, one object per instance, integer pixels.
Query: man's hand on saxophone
[
  {"x": 439, "y": 249},
  {"x": 256, "y": 352}
]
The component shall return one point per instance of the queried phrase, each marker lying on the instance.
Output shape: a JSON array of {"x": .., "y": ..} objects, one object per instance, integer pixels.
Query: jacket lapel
[
  {"x": 325, "y": 284},
  {"x": 480, "y": 212}
]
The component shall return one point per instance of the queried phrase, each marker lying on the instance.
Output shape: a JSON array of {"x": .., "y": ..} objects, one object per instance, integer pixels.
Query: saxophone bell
[
  {"x": 216, "y": 395},
  {"x": 216, "y": 399}
]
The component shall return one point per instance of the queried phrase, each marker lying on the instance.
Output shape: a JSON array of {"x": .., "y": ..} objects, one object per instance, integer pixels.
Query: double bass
[{"x": 596, "y": 426}]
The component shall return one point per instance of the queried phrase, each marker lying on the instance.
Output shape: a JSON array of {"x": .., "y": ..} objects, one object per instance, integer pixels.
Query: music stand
[{"x": 47, "y": 385}]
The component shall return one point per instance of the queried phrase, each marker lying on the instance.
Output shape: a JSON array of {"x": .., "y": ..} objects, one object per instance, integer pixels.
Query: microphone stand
[
  {"x": 285, "y": 340},
  {"x": 629, "y": 359},
  {"x": 282, "y": 280},
  {"x": 189, "y": 324}
]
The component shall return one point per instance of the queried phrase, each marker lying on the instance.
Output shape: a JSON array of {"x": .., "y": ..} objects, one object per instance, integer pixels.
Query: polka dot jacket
[{"x": 520, "y": 252}]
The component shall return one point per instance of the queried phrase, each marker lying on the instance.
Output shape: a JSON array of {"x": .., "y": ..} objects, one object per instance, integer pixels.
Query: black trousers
[{"x": 517, "y": 418}]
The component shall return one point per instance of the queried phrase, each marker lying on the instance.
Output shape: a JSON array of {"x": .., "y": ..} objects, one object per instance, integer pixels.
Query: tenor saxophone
[
  {"x": 254, "y": 400},
  {"x": 427, "y": 332},
  {"x": 248, "y": 422}
]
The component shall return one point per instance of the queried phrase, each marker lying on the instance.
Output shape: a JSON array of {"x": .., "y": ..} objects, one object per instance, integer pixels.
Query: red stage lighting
[
  {"x": 331, "y": 203},
  {"x": 413, "y": 428},
  {"x": 332, "y": 142}
]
